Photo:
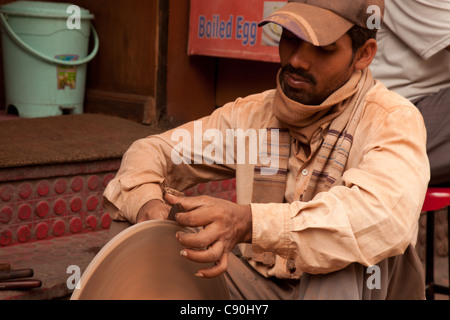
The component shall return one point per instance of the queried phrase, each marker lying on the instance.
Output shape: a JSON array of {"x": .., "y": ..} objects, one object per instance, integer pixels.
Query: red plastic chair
[{"x": 436, "y": 199}]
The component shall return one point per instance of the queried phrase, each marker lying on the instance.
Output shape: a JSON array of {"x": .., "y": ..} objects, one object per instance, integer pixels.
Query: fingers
[
  {"x": 211, "y": 254},
  {"x": 219, "y": 268},
  {"x": 188, "y": 203},
  {"x": 196, "y": 211},
  {"x": 171, "y": 199},
  {"x": 198, "y": 240},
  {"x": 197, "y": 218},
  {"x": 213, "y": 242}
]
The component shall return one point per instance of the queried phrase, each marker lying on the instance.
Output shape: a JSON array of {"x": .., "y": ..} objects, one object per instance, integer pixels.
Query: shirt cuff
[
  {"x": 271, "y": 229},
  {"x": 128, "y": 205}
]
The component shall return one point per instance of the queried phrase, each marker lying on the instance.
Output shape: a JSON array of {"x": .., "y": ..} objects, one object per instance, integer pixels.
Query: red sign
[{"x": 229, "y": 29}]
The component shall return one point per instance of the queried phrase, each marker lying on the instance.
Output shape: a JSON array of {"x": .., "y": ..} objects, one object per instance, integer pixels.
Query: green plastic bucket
[{"x": 45, "y": 57}]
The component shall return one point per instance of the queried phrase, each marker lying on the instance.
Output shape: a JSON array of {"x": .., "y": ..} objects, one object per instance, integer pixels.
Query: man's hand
[
  {"x": 224, "y": 223},
  {"x": 153, "y": 210}
]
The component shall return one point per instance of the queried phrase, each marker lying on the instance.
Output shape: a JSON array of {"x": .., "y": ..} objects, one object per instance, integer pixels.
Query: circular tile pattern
[
  {"x": 43, "y": 188},
  {"x": 24, "y": 212},
  {"x": 42, "y": 209},
  {"x": 59, "y": 228},
  {"x": 42, "y": 231},
  {"x": 6, "y": 215}
]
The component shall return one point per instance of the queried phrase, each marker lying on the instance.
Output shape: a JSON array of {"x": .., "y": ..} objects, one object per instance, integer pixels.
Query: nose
[{"x": 300, "y": 55}]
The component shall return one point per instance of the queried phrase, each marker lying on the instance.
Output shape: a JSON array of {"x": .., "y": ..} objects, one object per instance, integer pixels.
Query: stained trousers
[{"x": 396, "y": 278}]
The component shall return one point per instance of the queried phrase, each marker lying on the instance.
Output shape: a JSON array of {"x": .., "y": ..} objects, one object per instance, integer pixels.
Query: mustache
[{"x": 299, "y": 72}]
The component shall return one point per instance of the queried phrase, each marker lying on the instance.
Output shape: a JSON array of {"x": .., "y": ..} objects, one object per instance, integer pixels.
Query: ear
[{"x": 364, "y": 56}]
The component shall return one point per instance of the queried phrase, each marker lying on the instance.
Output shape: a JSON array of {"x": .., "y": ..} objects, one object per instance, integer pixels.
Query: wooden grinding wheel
[{"x": 143, "y": 262}]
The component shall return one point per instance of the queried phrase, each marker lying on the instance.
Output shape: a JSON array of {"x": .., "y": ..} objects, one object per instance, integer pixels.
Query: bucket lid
[{"x": 42, "y": 9}]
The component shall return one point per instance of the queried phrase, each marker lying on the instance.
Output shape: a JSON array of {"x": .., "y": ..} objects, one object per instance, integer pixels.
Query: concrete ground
[{"x": 50, "y": 260}]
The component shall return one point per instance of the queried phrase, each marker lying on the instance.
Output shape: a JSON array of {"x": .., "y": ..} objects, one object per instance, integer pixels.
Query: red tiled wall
[
  {"x": 40, "y": 209},
  {"x": 34, "y": 210}
]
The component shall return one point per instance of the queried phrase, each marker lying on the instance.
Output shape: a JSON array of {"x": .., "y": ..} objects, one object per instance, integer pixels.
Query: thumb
[
  {"x": 172, "y": 199},
  {"x": 188, "y": 203}
]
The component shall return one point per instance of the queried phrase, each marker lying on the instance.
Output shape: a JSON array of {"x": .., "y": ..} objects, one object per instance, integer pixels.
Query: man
[
  {"x": 414, "y": 60},
  {"x": 345, "y": 195}
]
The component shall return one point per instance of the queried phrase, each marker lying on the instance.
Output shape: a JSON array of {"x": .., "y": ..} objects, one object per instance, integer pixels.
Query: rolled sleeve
[
  {"x": 148, "y": 166},
  {"x": 272, "y": 228},
  {"x": 124, "y": 207}
]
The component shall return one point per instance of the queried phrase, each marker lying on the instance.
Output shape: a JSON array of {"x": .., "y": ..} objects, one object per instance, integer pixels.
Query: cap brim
[{"x": 317, "y": 26}]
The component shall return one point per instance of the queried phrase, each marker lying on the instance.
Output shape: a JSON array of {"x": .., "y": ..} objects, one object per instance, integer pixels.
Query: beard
[
  {"x": 310, "y": 93},
  {"x": 302, "y": 96}
]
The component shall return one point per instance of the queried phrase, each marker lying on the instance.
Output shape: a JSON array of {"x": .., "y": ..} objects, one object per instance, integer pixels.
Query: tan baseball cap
[{"x": 322, "y": 22}]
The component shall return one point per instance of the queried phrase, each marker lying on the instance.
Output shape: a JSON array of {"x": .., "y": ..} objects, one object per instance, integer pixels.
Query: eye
[
  {"x": 289, "y": 39},
  {"x": 327, "y": 49}
]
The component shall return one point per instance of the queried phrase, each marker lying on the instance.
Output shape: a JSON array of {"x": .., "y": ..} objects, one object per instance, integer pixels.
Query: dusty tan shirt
[{"x": 371, "y": 214}]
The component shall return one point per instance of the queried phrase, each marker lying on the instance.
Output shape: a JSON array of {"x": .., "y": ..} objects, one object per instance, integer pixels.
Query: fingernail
[
  {"x": 199, "y": 275},
  {"x": 183, "y": 253},
  {"x": 179, "y": 235}
]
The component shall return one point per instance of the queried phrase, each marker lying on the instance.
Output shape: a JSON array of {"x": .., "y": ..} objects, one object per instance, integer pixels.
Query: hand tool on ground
[{"x": 17, "y": 279}]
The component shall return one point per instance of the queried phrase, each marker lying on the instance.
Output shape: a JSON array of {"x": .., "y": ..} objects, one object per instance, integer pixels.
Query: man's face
[{"x": 311, "y": 74}]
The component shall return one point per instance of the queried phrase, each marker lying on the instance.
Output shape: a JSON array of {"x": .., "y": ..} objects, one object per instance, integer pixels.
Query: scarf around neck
[
  {"x": 304, "y": 120},
  {"x": 295, "y": 120}
]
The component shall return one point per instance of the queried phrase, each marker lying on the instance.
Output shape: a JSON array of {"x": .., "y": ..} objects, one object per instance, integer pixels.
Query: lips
[{"x": 296, "y": 81}]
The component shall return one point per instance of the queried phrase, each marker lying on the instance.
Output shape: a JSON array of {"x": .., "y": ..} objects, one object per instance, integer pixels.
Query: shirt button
[{"x": 305, "y": 172}]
